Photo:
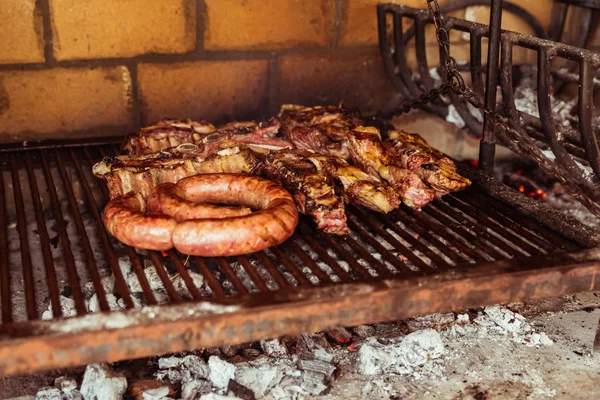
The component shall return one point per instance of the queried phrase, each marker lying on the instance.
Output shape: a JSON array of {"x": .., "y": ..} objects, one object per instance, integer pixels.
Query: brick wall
[{"x": 72, "y": 68}]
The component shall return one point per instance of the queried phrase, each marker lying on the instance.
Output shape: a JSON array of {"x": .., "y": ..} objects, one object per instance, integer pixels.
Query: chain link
[{"x": 456, "y": 83}]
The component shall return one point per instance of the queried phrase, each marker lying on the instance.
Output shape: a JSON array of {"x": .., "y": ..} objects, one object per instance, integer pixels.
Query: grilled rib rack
[{"x": 486, "y": 245}]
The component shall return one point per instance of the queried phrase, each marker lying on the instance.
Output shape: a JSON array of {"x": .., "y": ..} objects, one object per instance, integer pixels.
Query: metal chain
[{"x": 456, "y": 83}]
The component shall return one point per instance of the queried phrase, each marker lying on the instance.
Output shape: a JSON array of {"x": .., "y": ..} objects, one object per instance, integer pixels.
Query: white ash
[
  {"x": 588, "y": 172},
  {"x": 182, "y": 369},
  {"x": 216, "y": 396},
  {"x": 181, "y": 287},
  {"x": 48, "y": 393},
  {"x": 243, "y": 276},
  {"x": 111, "y": 299},
  {"x": 151, "y": 275},
  {"x": 273, "y": 348},
  {"x": 160, "y": 393},
  {"x": 504, "y": 321},
  {"x": 220, "y": 372},
  {"x": 415, "y": 354},
  {"x": 67, "y": 306},
  {"x": 194, "y": 388},
  {"x": 265, "y": 275},
  {"x": 100, "y": 382},
  {"x": 65, "y": 384},
  {"x": 271, "y": 378},
  {"x": 136, "y": 302}
]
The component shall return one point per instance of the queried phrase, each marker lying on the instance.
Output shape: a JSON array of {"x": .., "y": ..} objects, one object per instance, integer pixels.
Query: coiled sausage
[{"x": 174, "y": 216}]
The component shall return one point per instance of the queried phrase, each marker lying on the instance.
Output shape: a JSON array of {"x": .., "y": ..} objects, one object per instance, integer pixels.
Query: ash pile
[{"x": 418, "y": 351}]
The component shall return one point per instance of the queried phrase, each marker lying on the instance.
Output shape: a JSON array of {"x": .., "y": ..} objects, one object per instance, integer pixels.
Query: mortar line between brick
[
  {"x": 273, "y": 72},
  {"x": 337, "y": 22},
  {"x": 44, "y": 7},
  {"x": 200, "y": 25},
  {"x": 136, "y": 109},
  {"x": 220, "y": 55}
]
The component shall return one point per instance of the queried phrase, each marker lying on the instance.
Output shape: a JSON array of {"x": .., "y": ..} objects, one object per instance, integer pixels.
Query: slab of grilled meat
[
  {"x": 170, "y": 133},
  {"x": 432, "y": 166},
  {"x": 371, "y": 155},
  {"x": 312, "y": 192},
  {"x": 142, "y": 173},
  {"x": 165, "y": 134},
  {"x": 323, "y": 129},
  {"x": 354, "y": 185}
]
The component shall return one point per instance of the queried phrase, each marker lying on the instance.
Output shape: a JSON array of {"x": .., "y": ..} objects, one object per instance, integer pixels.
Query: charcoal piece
[
  {"x": 319, "y": 366},
  {"x": 239, "y": 390},
  {"x": 364, "y": 331},
  {"x": 213, "y": 351},
  {"x": 305, "y": 344},
  {"x": 340, "y": 335},
  {"x": 273, "y": 348},
  {"x": 251, "y": 353},
  {"x": 229, "y": 350}
]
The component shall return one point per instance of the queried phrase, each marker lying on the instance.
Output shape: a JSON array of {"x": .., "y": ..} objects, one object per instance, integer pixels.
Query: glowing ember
[
  {"x": 355, "y": 346},
  {"x": 164, "y": 253}
]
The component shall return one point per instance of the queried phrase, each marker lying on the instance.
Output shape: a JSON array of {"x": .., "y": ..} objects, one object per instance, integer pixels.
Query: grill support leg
[{"x": 487, "y": 146}]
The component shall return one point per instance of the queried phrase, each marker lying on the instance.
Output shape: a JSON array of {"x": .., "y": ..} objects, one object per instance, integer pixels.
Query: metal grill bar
[
  {"x": 43, "y": 234},
  {"x": 344, "y": 276},
  {"x": 112, "y": 258},
  {"x": 274, "y": 272},
  {"x": 84, "y": 239},
  {"x": 469, "y": 239},
  {"x": 25, "y": 251},
  {"x": 517, "y": 244},
  {"x": 414, "y": 241},
  {"x": 6, "y": 302},
  {"x": 214, "y": 285},
  {"x": 162, "y": 274},
  {"x": 74, "y": 281},
  {"x": 458, "y": 257},
  {"x": 371, "y": 241}
]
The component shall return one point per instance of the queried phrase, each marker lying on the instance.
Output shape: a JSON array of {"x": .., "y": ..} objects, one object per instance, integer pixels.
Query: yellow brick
[
  {"x": 119, "y": 28},
  {"x": 212, "y": 90},
  {"x": 356, "y": 79},
  {"x": 48, "y": 103},
  {"x": 21, "y": 32},
  {"x": 359, "y": 26},
  {"x": 270, "y": 24}
]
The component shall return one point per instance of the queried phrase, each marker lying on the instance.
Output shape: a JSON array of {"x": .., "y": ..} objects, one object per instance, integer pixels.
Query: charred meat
[
  {"x": 322, "y": 129},
  {"x": 312, "y": 192},
  {"x": 356, "y": 186},
  {"x": 165, "y": 134},
  {"x": 142, "y": 173},
  {"x": 371, "y": 155},
  {"x": 432, "y": 166}
]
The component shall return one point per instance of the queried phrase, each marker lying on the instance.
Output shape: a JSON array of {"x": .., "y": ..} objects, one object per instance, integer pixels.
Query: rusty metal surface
[
  {"x": 567, "y": 149},
  {"x": 468, "y": 249},
  {"x": 160, "y": 330}
]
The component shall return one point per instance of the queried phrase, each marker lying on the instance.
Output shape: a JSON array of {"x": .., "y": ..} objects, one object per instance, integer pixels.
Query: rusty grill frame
[
  {"x": 568, "y": 146},
  {"x": 500, "y": 246},
  {"x": 489, "y": 244}
]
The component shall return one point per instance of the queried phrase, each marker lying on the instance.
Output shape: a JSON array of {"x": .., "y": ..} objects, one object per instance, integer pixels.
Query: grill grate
[{"x": 55, "y": 254}]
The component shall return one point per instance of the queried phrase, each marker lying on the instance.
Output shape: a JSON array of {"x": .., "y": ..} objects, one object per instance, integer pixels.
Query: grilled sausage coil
[{"x": 173, "y": 217}]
